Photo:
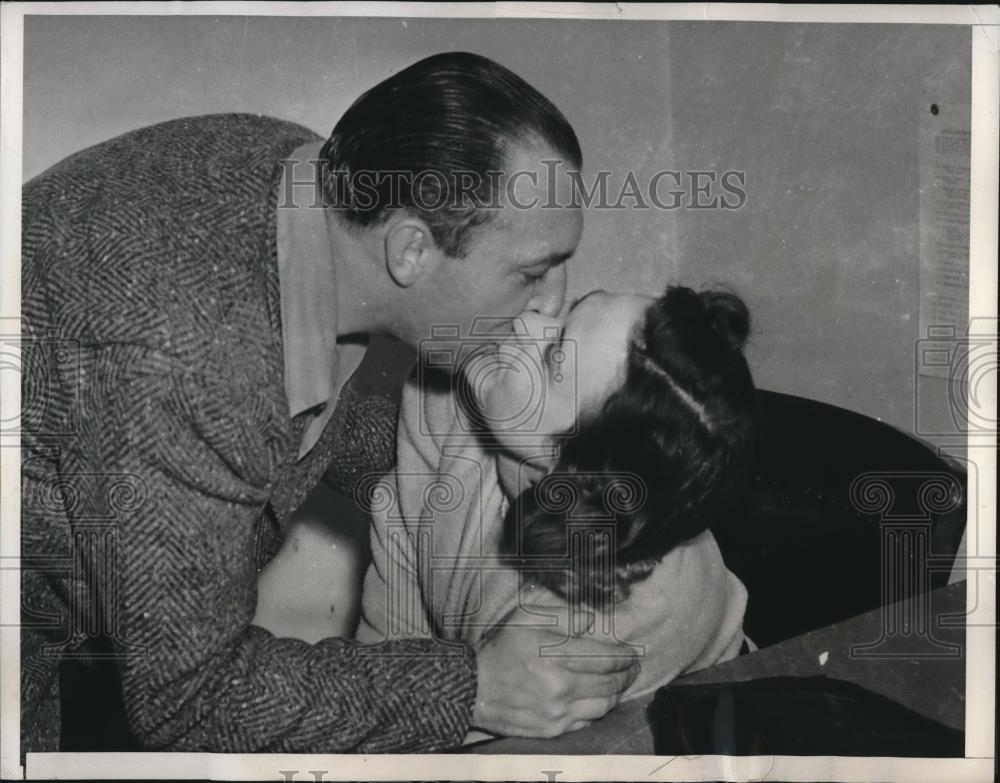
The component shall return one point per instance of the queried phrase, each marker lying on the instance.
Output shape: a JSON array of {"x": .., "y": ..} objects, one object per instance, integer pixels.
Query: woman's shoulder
[
  {"x": 687, "y": 614},
  {"x": 434, "y": 448},
  {"x": 691, "y": 584},
  {"x": 698, "y": 558}
]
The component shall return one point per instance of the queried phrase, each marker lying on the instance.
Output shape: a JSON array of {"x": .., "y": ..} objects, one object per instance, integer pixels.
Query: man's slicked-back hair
[{"x": 427, "y": 139}]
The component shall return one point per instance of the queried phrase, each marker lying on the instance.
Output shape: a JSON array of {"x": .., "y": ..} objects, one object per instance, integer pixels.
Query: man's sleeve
[
  {"x": 365, "y": 442},
  {"x": 199, "y": 676}
]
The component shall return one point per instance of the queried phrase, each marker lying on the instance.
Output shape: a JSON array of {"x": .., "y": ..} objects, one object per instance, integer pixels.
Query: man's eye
[{"x": 534, "y": 276}]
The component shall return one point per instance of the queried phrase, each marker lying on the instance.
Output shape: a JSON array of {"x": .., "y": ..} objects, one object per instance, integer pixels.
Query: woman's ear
[{"x": 410, "y": 250}]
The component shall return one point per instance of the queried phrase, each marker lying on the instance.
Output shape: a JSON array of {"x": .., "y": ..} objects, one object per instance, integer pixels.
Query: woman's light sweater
[{"x": 437, "y": 566}]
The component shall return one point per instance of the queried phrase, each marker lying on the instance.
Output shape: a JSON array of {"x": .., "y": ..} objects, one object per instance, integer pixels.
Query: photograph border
[{"x": 984, "y": 24}]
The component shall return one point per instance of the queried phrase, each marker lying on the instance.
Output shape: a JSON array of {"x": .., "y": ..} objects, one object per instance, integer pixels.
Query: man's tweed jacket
[{"x": 159, "y": 460}]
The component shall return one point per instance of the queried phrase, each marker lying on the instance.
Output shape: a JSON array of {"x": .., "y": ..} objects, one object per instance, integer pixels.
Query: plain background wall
[{"x": 822, "y": 118}]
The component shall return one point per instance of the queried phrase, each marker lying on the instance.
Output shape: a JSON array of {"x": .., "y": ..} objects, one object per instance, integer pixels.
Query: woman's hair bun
[{"x": 728, "y": 315}]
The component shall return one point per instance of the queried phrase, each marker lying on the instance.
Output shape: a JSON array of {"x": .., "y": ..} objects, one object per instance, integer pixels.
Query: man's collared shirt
[{"x": 316, "y": 367}]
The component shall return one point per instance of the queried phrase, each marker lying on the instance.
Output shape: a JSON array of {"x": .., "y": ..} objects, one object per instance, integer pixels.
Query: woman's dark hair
[
  {"x": 667, "y": 456},
  {"x": 427, "y": 138}
]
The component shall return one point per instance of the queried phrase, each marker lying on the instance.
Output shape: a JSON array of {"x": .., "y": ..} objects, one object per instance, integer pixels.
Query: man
[{"x": 188, "y": 331}]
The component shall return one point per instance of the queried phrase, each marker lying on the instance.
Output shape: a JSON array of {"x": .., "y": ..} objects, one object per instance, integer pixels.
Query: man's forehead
[
  {"x": 530, "y": 204},
  {"x": 540, "y": 232},
  {"x": 534, "y": 220},
  {"x": 537, "y": 173}
]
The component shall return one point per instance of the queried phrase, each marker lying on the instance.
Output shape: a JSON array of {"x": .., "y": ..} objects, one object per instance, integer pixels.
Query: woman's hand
[{"x": 523, "y": 694}]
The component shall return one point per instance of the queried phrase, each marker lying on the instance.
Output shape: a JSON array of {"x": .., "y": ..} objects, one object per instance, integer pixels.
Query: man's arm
[{"x": 205, "y": 679}]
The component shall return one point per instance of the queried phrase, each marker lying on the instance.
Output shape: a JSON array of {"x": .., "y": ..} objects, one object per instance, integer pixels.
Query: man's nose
[{"x": 550, "y": 293}]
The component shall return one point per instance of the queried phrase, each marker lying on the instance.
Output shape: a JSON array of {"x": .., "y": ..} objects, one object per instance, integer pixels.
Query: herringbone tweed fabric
[{"x": 159, "y": 460}]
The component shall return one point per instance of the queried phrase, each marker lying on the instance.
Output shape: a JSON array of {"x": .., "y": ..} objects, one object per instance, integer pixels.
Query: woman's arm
[{"x": 392, "y": 600}]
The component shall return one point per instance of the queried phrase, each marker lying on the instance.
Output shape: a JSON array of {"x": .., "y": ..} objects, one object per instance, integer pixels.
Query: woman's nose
[
  {"x": 537, "y": 327},
  {"x": 550, "y": 292}
]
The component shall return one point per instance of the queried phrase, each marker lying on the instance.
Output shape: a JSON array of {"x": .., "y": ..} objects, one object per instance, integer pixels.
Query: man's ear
[{"x": 410, "y": 250}]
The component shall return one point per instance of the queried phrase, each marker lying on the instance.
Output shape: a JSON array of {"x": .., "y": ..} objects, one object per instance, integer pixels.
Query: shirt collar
[{"x": 316, "y": 366}]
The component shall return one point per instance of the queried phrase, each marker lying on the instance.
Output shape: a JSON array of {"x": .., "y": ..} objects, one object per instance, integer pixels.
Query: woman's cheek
[
  {"x": 482, "y": 374},
  {"x": 506, "y": 402},
  {"x": 517, "y": 405},
  {"x": 560, "y": 412}
]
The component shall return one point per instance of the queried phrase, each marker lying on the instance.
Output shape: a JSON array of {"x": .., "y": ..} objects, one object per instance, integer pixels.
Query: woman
[{"x": 597, "y": 515}]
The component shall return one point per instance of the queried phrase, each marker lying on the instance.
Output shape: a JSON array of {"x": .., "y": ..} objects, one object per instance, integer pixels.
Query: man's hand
[{"x": 523, "y": 694}]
